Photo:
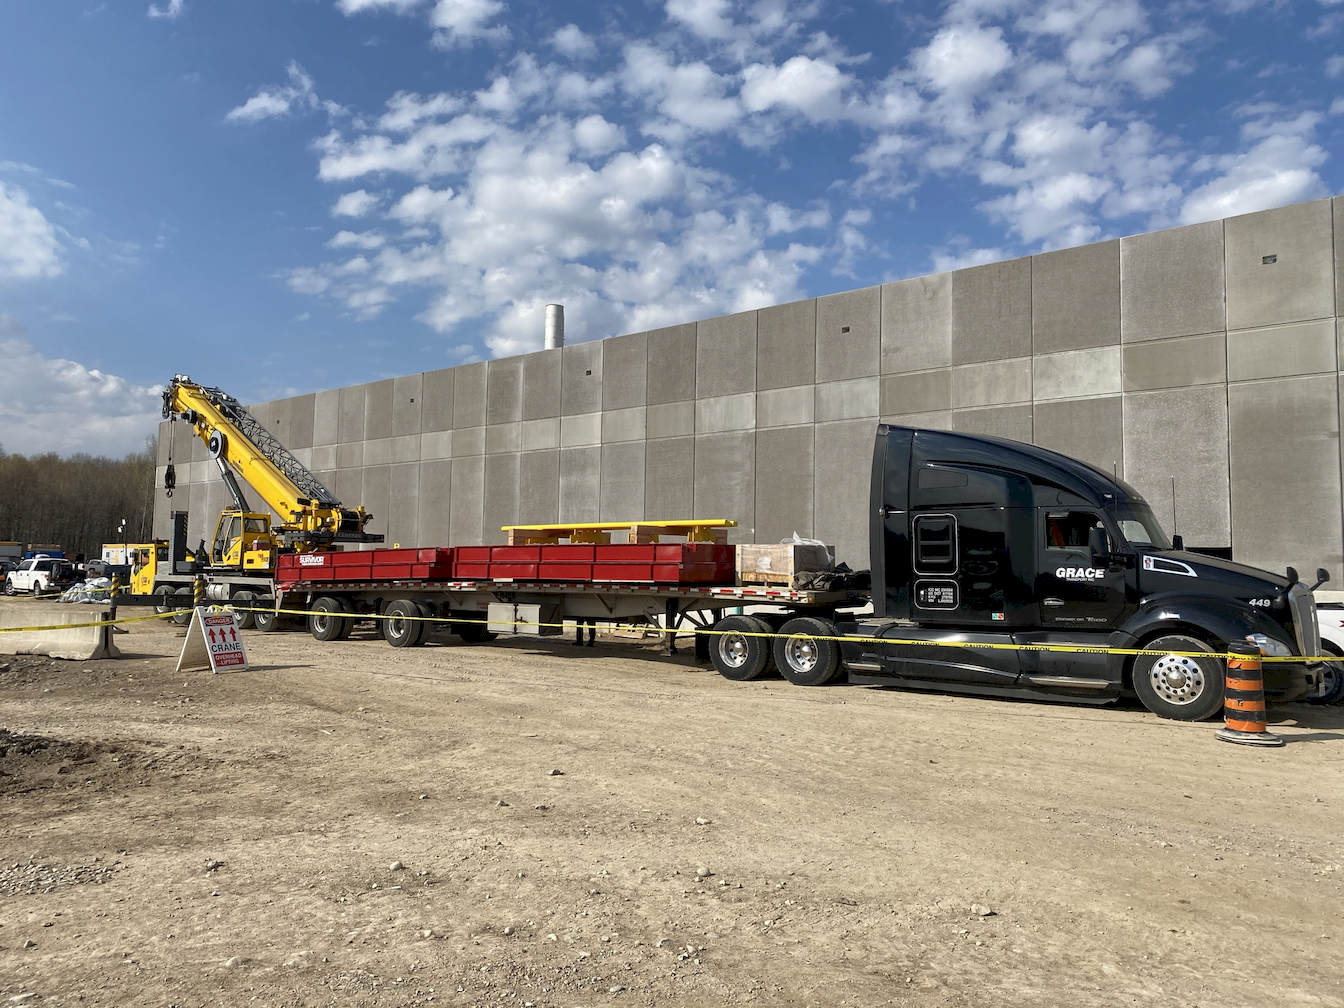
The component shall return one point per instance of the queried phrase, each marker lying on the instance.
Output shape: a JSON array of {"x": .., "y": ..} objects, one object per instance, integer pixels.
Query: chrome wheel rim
[
  {"x": 1177, "y": 679},
  {"x": 801, "y": 653},
  {"x": 733, "y": 650}
]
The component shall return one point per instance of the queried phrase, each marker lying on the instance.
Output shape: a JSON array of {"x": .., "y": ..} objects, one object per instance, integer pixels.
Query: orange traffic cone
[{"x": 1244, "y": 717}]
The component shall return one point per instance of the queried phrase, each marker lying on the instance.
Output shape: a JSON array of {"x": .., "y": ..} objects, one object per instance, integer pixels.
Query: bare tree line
[{"x": 77, "y": 502}]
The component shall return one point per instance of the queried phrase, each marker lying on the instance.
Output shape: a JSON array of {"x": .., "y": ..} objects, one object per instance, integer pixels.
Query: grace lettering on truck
[{"x": 1080, "y": 573}]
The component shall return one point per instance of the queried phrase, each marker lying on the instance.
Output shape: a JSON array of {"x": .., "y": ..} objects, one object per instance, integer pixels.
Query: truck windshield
[{"x": 1139, "y": 525}]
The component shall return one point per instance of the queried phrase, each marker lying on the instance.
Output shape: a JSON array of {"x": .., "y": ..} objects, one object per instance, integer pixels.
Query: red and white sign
[{"x": 213, "y": 642}]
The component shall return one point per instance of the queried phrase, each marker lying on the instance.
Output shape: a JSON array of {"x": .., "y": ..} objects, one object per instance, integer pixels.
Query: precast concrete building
[{"x": 1201, "y": 364}]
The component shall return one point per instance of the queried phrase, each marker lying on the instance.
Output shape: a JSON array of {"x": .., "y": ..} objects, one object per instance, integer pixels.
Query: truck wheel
[
  {"x": 36, "y": 589},
  {"x": 1331, "y": 690},
  {"x": 327, "y": 622},
  {"x": 182, "y": 601},
  {"x": 739, "y": 649},
  {"x": 802, "y": 657},
  {"x": 266, "y": 620},
  {"x": 401, "y": 624},
  {"x": 429, "y": 627},
  {"x": 1175, "y": 686},
  {"x": 471, "y": 627},
  {"x": 9, "y": 587},
  {"x": 164, "y": 594},
  {"x": 247, "y": 601}
]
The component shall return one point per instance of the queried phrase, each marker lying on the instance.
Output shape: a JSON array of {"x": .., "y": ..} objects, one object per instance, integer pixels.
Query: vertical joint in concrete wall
[{"x": 555, "y": 326}]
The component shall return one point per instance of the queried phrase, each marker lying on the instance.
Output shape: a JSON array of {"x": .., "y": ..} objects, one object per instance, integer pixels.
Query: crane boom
[{"x": 310, "y": 515}]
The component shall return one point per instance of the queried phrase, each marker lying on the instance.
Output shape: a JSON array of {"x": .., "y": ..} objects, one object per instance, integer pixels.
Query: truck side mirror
[
  {"x": 1177, "y": 542},
  {"x": 1322, "y": 576},
  {"x": 1097, "y": 545}
]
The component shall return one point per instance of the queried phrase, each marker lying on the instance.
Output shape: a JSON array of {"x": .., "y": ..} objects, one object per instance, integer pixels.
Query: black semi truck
[{"x": 1010, "y": 557}]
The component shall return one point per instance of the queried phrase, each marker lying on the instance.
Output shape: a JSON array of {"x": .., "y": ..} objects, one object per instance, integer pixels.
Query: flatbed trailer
[{"x": 407, "y": 611}]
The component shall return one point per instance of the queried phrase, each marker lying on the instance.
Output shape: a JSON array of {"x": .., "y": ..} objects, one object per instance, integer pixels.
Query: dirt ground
[{"x": 529, "y": 823}]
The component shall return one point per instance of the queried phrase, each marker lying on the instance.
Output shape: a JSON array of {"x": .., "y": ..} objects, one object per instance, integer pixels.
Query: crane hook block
[
  {"x": 216, "y": 444},
  {"x": 169, "y": 480}
]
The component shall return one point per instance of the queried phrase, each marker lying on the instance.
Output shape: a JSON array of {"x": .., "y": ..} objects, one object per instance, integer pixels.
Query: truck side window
[
  {"x": 935, "y": 544},
  {"x": 1067, "y": 530}
]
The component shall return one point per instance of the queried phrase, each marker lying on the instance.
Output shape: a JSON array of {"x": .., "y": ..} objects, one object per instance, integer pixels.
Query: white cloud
[
  {"x": 354, "y": 204},
  {"x": 1334, "y": 67},
  {"x": 962, "y": 58},
  {"x": 949, "y": 260},
  {"x": 707, "y": 18},
  {"x": 357, "y": 239},
  {"x": 594, "y": 135},
  {"x": 298, "y": 95},
  {"x": 813, "y": 87},
  {"x": 348, "y": 7},
  {"x": 405, "y": 111},
  {"x": 571, "y": 41},
  {"x": 459, "y": 23},
  {"x": 30, "y": 248},
  {"x": 39, "y": 394},
  {"x": 1276, "y": 168},
  {"x": 171, "y": 9}
]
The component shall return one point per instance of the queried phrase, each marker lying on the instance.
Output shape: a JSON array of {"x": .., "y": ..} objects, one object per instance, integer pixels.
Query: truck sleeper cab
[{"x": 1012, "y": 557}]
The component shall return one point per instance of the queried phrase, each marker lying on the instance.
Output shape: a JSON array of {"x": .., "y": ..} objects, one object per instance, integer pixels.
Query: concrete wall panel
[
  {"x": 920, "y": 392},
  {"x": 350, "y": 421},
  {"x": 541, "y": 385},
  {"x": 469, "y": 391},
  {"x": 917, "y": 324},
  {"x": 725, "y": 355},
  {"x": 466, "y": 506},
  {"x": 501, "y": 496},
  {"x": 580, "y": 484},
  {"x": 725, "y": 413},
  {"x": 403, "y": 505},
  {"x": 539, "y": 487},
  {"x": 671, "y": 368},
  {"x": 785, "y": 407},
  {"x": 1076, "y": 373},
  {"x": 1087, "y": 429},
  {"x": 1279, "y": 266},
  {"x": 1171, "y": 363},
  {"x": 785, "y": 475},
  {"x": 581, "y": 378},
  {"x": 675, "y": 419},
  {"x": 1181, "y": 434},
  {"x": 624, "y": 424},
  {"x": 390, "y": 450},
  {"x": 991, "y": 312},
  {"x": 725, "y": 481},
  {"x": 350, "y": 456},
  {"x": 504, "y": 390},
  {"x": 624, "y": 371},
  {"x": 849, "y": 336},
  {"x": 1171, "y": 283},
  {"x": 326, "y": 417},
  {"x": 992, "y": 383},
  {"x": 378, "y": 409},
  {"x": 844, "y": 462},
  {"x": 538, "y": 435},
  {"x": 1280, "y": 351},
  {"x": 407, "y": 402},
  {"x": 503, "y": 437},
  {"x": 669, "y": 487},
  {"x": 435, "y": 445},
  {"x": 1287, "y": 498},
  {"x": 786, "y": 345},
  {"x": 433, "y": 525},
  {"x": 1013, "y": 422},
  {"x": 585, "y": 429},
  {"x": 622, "y": 496},
  {"x": 436, "y": 411},
  {"x": 1075, "y": 298},
  {"x": 298, "y": 422},
  {"x": 376, "y": 498},
  {"x": 324, "y": 458},
  {"x": 1338, "y": 214},
  {"x": 468, "y": 441},
  {"x": 848, "y": 400}
]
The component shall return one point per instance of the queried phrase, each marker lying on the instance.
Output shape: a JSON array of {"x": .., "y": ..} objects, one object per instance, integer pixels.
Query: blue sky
[{"x": 280, "y": 196}]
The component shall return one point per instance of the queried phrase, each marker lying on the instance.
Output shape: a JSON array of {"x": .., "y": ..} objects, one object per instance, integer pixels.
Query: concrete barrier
[{"x": 78, "y": 643}]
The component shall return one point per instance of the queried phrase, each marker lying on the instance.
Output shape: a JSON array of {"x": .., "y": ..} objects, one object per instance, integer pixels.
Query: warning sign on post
[{"x": 213, "y": 642}]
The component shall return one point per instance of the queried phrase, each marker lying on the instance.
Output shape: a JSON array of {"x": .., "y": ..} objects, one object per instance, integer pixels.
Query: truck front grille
[{"x": 1306, "y": 626}]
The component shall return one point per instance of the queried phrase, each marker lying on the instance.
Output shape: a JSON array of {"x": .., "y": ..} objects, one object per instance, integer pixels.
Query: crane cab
[{"x": 243, "y": 541}]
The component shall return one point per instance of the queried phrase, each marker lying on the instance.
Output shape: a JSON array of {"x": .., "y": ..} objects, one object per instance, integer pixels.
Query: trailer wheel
[
  {"x": 1176, "y": 686},
  {"x": 739, "y": 648},
  {"x": 182, "y": 600},
  {"x": 164, "y": 594},
  {"x": 428, "y": 628},
  {"x": 327, "y": 621},
  {"x": 471, "y": 627},
  {"x": 245, "y": 617},
  {"x": 401, "y": 624},
  {"x": 802, "y": 654}
]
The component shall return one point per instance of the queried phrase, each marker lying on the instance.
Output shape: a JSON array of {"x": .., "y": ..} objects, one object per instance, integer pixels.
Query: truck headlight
[{"x": 1269, "y": 646}]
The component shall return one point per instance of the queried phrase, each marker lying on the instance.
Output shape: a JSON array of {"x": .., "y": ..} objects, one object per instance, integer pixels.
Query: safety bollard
[
  {"x": 1244, "y": 716},
  {"x": 198, "y": 591},
  {"x": 116, "y": 587}
]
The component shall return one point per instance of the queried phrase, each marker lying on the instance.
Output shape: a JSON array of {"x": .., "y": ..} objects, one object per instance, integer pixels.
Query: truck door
[{"x": 1073, "y": 591}]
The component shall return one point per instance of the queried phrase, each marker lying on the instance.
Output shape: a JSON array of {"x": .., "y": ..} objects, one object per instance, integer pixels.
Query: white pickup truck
[{"x": 41, "y": 575}]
